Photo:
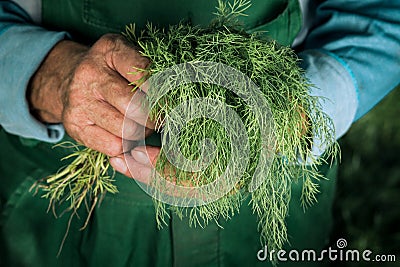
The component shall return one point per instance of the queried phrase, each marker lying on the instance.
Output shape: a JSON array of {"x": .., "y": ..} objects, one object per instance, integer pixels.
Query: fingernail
[
  {"x": 119, "y": 164},
  {"x": 140, "y": 157}
]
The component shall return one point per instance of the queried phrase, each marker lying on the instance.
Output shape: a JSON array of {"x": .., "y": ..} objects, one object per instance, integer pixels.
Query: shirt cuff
[
  {"x": 335, "y": 85},
  {"x": 23, "y": 48}
]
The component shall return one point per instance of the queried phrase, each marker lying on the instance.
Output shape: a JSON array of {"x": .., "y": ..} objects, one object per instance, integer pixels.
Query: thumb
[
  {"x": 138, "y": 163},
  {"x": 146, "y": 155}
]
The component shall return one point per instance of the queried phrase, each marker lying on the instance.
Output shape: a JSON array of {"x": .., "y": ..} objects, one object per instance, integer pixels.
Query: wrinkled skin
[{"x": 87, "y": 90}]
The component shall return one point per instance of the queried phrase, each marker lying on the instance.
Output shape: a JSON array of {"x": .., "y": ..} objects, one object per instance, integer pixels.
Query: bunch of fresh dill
[{"x": 296, "y": 116}]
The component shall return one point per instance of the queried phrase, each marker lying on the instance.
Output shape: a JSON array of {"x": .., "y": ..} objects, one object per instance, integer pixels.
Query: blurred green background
[{"x": 367, "y": 205}]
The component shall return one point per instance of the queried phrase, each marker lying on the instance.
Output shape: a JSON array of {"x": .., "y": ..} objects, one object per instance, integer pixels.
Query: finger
[
  {"x": 136, "y": 132},
  {"x": 133, "y": 105},
  {"x": 144, "y": 173},
  {"x": 145, "y": 87},
  {"x": 115, "y": 91},
  {"x": 141, "y": 162},
  {"x": 101, "y": 140},
  {"x": 127, "y": 61},
  {"x": 146, "y": 155},
  {"x": 118, "y": 163},
  {"x": 138, "y": 110},
  {"x": 107, "y": 117},
  {"x": 126, "y": 165}
]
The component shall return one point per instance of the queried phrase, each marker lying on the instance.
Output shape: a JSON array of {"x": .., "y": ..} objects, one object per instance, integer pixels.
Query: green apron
[{"x": 123, "y": 230}]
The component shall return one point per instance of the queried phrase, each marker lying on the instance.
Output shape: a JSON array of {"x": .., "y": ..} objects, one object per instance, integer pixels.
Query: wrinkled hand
[{"x": 87, "y": 89}]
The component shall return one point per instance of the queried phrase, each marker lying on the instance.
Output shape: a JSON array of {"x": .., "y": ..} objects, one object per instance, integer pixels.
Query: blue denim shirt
[
  {"x": 23, "y": 46},
  {"x": 351, "y": 53}
]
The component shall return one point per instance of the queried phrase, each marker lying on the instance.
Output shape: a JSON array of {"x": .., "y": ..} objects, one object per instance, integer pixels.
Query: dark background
[{"x": 367, "y": 205}]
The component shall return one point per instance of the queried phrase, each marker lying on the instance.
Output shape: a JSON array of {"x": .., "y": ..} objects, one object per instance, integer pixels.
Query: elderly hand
[{"x": 87, "y": 89}]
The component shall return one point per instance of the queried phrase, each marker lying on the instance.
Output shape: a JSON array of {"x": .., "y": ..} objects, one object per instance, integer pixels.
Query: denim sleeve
[
  {"x": 352, "y": 56},
  {"x": 23, "y": 46}
]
